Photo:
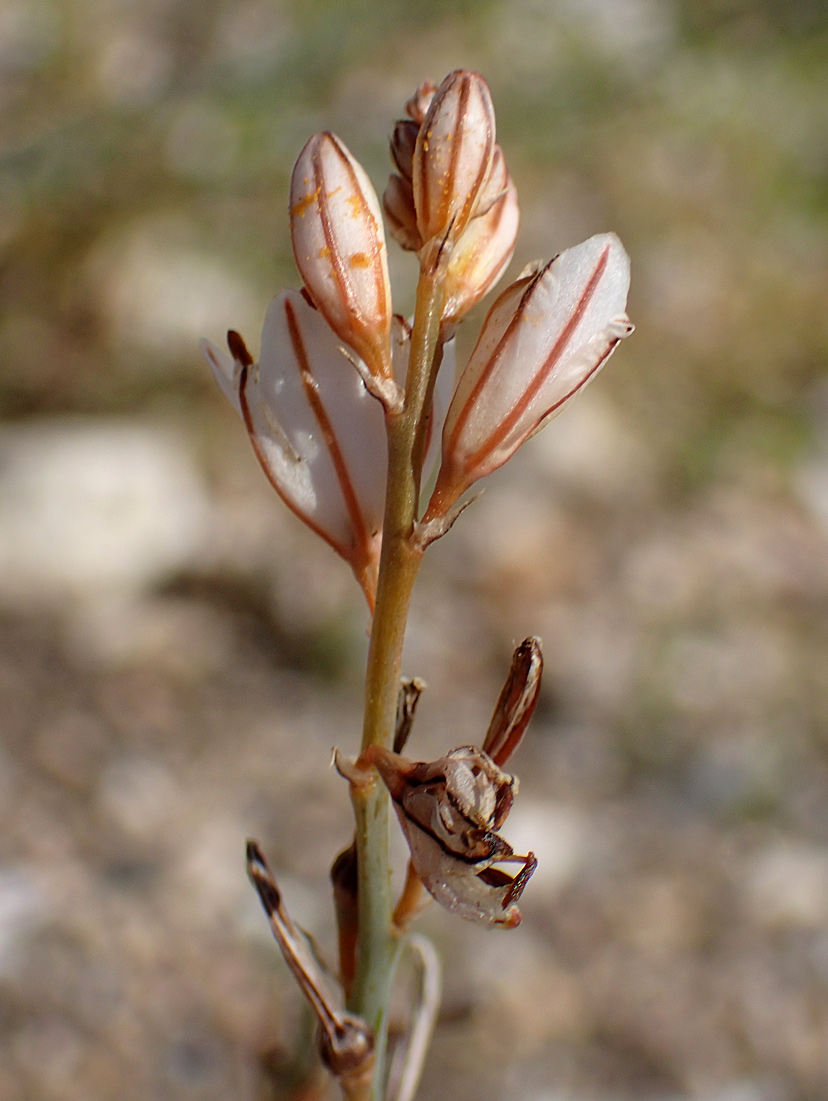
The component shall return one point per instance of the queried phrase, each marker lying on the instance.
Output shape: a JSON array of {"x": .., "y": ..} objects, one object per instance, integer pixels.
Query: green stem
[{"x": 399, "y": 563}]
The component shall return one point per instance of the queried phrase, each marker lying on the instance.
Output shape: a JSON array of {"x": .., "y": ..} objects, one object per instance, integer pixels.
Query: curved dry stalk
[
  {"x": 406, "y": 1077},
  {"x": 346, "y": 1044}
]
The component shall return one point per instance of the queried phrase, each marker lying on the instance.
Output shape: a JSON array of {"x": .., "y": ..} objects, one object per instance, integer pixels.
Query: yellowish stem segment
[{"x": 399, "y": 564}]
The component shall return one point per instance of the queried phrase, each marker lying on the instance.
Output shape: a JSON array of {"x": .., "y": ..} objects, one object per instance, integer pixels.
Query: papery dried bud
[
  {"x": 453, "y": 155},
  {"x": 450, "y": 810},
  {"x": 411, "y": 688},
  {"x": 542, "y": 342},
  {"x": 318, "y": 434},
  {"x": 481, "y": 255},
  {"x": 398, "y": 205},
  {"x": 339, "y": 245},
  {"x": 516, "y": 703},
  {"x": 417, "y": 107},
  {"x": 345, "y": 883},
  {"x": 403, "y": 141}
]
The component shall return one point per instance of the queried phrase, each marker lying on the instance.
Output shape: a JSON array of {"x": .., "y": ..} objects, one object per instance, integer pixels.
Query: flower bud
[
  {"x": 339, "y": 245},
  {"x": 543, "y": 340},
  {"x": 453, "y": 155},
  {"x": 317, "y": 432},
  {"x": 481, "y": 255}
]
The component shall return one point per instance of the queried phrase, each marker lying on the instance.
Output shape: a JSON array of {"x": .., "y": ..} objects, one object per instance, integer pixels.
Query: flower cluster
[
  {"x": 334, "y": 358},
  {"x": 352, "y": 410}
]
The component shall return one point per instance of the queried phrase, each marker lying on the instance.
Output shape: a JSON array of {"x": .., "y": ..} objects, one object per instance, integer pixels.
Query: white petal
[
  {"x": 319, "y": 434},
  {"x": 542, "y": 341},
  {"x": 226, "y": 371}
]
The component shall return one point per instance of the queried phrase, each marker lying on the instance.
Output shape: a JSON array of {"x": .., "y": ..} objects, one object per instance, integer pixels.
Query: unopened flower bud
[
  {"x": 481, "y": 255},
  {"x": 544, "y": 339},
  {"x": 453, "y": 155},
  {"x": 339, "y": 245}
]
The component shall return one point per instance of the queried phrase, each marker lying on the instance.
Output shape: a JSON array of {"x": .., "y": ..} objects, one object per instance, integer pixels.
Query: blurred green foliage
[{"x": 133, "y": 134}]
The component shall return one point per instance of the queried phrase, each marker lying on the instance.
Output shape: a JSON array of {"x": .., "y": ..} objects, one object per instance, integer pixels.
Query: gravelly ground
[{"x": 673, "y": 786}]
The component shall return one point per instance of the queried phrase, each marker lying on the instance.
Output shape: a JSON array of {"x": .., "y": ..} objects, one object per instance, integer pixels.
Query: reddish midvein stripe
[
  {"x": 456, "y": 147},
  {"x": 508, "y": 421},
  {"x": 238, "y": 349},
  {"x": 485, "y": 167},
  {"x": 341, "y": 274},
  {"x": 474, "y": 394},
  {"x": 260, "y": 455},
  {"x": 312, "y": 394}
]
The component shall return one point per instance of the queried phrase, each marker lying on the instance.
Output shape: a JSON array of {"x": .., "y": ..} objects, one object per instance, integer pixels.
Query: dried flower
[
  {"x": 398, "y": 205},
  {"x": 339, "y": 245},
  {"x": 453, "y": 155},
  {"x": 450, "y": 810},
  {"x": 403, "y": 143},
  {"x": 541, "y": 343}
]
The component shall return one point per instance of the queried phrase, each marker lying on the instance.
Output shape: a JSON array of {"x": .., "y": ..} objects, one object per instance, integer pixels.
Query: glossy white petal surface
[
  {"x": 543, "y": 340},
  {"x": 318, "y": 433},
  {"x": 453, "y": 154},
  {"x": 339, "y": 245},
  {"x": 481, "y": 255},
  {"x": 226, "y": 371}
]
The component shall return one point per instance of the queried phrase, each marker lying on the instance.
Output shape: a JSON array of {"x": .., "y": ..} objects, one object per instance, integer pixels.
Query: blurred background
[{"x": 178, "y": 655}]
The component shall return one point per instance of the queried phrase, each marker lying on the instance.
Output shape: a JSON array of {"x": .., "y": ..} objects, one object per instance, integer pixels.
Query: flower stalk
[
  {"x": 399, "y": 564},
  {"x": 344, "y": 409}
]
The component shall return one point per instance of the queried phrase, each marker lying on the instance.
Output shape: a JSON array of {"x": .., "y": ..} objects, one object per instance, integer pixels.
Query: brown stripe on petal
[
  {"x": 485, "y": 163},
  {"x": 360, "y": 209},
  {"x": 238, "y": 349},
  {"x": 499, "y": 850},
  {"x": 547, "y": 413},
  {"x": 473, "y": 396},
  {"x": 340, "y": 276},
  {"x": 263, "y": 463},
  {"x": 508, "y": 422},
  {"x": 311, "y": 389},
  {"x": 446, "y": 181},
  {"x": 455, "y": 149}
]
